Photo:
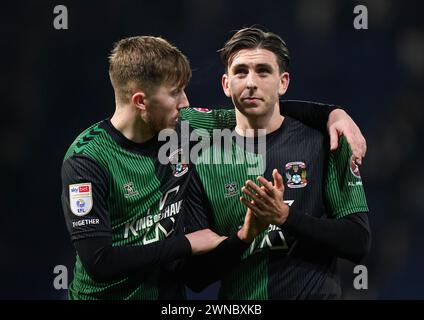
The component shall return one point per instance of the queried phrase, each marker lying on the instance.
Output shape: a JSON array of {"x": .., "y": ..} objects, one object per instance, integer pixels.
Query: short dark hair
[
  {"x": 146, "y": 62},
  {"x": 252, "y": 38}
]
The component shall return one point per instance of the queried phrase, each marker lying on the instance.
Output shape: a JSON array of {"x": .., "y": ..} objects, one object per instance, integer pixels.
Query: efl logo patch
[
  {"x": 296, "y": 174},
  {"x": 204, "y": 110},
  {"x": 80, "y": 198}
]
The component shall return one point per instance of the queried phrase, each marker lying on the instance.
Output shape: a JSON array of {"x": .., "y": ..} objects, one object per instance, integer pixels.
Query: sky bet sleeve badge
[
  {"x": 80, "y": 198},
  {"x": 296, "y": 174}
]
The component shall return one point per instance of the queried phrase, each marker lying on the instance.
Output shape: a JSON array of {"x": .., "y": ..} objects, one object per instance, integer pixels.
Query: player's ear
[
  {"x": 226, "y": 85},
  {"x": 138, "y": 99},
  {"x": 284, "y": 83}
]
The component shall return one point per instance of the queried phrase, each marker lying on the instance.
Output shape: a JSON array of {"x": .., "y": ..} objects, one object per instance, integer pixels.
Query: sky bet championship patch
[{"x": 80, "y": 198}]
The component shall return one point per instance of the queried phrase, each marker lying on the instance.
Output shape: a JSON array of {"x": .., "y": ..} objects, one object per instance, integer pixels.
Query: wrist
[
  {"x": 243, "y": 236},
  {"x": 282, "y": 217},
  {"x": 293, "y": 220}
]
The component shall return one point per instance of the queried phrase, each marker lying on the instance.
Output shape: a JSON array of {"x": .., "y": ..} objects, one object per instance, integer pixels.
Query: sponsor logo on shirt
[
  {"x": 84, "y": 188},
  {"x": 296, "y": 174},
  {"x": 85, "y": 222},
  {"x": 80, "y": 198},
  {"x": 162, "y": 220}
]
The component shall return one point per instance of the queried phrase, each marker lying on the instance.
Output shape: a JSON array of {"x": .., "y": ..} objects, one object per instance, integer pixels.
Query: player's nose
[
  {"x": 183, "y": 101},
  {"x": 251, "y": 81}
]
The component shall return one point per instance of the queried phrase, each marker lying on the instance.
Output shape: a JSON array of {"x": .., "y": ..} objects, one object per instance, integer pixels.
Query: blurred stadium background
[{"x": 55, "y": 83}]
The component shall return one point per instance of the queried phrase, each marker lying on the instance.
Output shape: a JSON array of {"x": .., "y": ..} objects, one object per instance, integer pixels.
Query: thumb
[
  {"x": 334, "y": 139},
  {"x": 278, "y": 180}
]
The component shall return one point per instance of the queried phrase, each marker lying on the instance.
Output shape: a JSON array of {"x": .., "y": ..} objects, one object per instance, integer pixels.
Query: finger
[
  {"x": 362, "y": 144},
  {"x": 263, "y": 197},
  {"x": 353, "y": 146},
  {"x": 278, "y": 180},
  {"x": 248, "y": 211},
  {"x": 358, "y": 147},
  {"x": 364, "y": 150},
  {"x": 247, "y": 217},
  {"x": 268, "y": 186},
  {"x": 250, "y": 205},
  {"x": 359, "y": 142},
  {"x": 258, "y": 201},
  {"x": 334, "y": 139},
  {"x": 266, "y": 198},
  {"x": 357, "y": 160},
  {"x": 254, "y": 187}
]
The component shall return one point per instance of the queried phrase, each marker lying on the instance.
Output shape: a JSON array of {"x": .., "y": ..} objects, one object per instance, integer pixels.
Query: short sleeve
[{"x": 344, "y": 191}]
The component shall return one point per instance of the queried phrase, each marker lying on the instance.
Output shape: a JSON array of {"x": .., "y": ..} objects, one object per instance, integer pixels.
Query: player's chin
[
  {"x": 165, "y": 126},
  {"x": 172, "y": 124},
  {"x": 252, "y": 110}
]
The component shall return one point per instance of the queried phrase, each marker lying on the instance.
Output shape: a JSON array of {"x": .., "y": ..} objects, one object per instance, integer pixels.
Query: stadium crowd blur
[{"x": 55, "y": 83}]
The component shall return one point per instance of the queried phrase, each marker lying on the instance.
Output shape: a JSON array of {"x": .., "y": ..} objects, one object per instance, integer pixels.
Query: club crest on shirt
[
  {"x": 296, "y": 174},
  {"x": 80, "y": 198},
  {"x": 354, "y": 168},
  {"x": 204, "y": 110},
  {"x": 178, "y": 163}
]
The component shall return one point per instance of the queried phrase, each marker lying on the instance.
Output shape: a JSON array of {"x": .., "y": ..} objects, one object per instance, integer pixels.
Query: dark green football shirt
[
  {"x": 113, "y": 187},
  {"x": 317, "y": 183}
]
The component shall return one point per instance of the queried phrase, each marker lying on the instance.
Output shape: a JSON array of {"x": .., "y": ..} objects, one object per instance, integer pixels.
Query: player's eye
[
  {"x": 176, "y": 92},
  {"x": 264, "y": 71},
  {"x": 240, "y": 71}
]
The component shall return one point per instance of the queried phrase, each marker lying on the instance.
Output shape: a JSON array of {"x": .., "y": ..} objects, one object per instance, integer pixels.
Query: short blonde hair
[{"x": 145, "y": 63}]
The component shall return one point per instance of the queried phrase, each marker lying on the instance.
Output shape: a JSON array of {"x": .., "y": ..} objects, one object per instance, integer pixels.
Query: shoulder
[
  {"x": 200, "y": 117},
  {"x": 190, "y": 113},
  {"x": 298, "y": 136},
  {"x": 301, "y": 130},
  {"x": 88, "y": 140}
]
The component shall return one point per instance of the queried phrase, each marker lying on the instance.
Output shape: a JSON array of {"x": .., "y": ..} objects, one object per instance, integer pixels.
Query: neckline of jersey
[
  {"x": 268, "y": 136},
  {"x": 150, "y": 145}
]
